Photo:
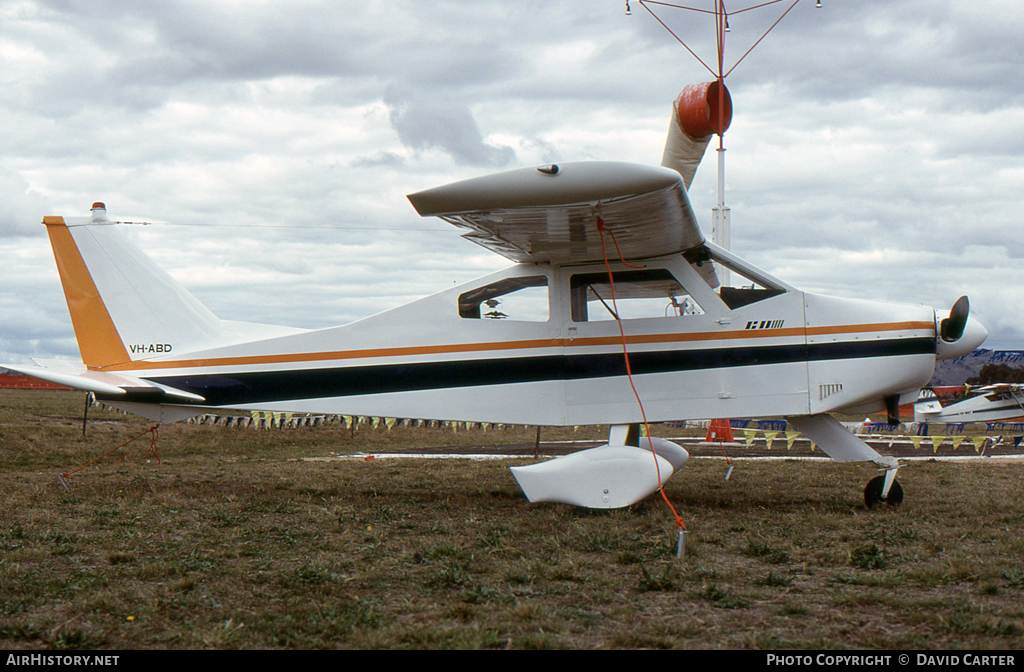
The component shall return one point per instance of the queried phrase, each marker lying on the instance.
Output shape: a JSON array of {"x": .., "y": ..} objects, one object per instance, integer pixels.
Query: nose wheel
[{"x": 875, "y": 494}]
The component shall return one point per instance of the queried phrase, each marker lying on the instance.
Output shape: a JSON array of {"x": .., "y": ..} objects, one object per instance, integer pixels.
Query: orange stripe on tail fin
[{"x": 98, "y": 340}]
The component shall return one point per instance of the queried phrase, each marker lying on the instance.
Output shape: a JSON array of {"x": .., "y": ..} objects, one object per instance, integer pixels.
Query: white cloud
[
  {"x": 429, "y": 122},
  {"x": 22, "y": 209}
]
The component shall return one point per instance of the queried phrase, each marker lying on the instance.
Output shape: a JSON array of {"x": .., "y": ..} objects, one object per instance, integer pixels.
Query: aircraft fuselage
[{"x": 479, "y": 352}]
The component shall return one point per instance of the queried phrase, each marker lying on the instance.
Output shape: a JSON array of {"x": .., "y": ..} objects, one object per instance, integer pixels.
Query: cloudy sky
[{"x": 876, "y": 149}]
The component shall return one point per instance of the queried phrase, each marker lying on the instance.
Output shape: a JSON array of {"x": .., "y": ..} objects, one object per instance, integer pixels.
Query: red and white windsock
[{"x": 700, "y": 111}]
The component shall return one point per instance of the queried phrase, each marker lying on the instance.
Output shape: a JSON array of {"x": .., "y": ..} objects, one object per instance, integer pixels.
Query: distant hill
[{"x": 957, "y": 371}]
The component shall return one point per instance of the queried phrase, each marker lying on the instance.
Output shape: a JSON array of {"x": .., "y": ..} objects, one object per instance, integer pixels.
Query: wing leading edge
[{"x": 549, "y": 214}]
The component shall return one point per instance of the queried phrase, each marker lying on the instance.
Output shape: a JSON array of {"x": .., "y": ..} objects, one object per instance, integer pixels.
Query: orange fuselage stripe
[
  {"x": 98, "y": 340},
  {"x": 409, "y": 351}
]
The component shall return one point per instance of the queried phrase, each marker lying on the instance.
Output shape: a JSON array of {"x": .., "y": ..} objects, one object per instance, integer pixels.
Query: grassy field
[{"x": 235, "y": 539}]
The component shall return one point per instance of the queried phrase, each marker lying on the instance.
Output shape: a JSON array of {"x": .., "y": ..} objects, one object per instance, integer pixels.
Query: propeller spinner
[{"x": 958, "y": 334}]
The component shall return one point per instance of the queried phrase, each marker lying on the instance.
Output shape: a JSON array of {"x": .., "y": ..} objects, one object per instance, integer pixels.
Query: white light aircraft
[
  {"x": 538, "y": 343},
  {"x": 990, "y": 403}
]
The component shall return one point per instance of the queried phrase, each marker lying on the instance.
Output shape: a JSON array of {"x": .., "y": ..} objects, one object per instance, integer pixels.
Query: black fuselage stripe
[{"x": 225, "y": 389}]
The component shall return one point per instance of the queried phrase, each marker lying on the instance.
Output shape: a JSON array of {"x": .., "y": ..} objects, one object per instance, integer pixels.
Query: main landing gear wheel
[{"x": 873, "y": 493}]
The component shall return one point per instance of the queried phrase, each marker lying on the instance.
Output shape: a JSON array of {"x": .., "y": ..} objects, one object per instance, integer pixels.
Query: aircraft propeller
[{"x": 952, "y": 328}]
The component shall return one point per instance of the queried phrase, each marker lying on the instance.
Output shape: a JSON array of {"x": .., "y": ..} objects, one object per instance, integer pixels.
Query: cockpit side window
[
  {"x": 639, "y": 294},
  {"x": 522, "y": 299}
]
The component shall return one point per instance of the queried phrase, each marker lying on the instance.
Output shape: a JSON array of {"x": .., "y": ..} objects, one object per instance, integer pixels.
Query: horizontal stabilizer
[{"x": 112, "y": 384}]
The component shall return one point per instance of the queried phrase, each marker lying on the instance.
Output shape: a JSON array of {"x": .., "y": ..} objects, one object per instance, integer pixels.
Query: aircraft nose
[
  {"x": 974, "y": 335},
  {"x": 959, "y": 334}
]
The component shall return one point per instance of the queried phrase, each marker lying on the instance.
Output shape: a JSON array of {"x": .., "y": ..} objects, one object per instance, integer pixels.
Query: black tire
[{"x": 873, "y": 493}]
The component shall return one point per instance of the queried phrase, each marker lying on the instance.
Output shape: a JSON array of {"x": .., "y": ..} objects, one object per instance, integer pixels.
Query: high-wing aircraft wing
[
  {"x": 1000, "y": 387},
  {"x": 547, "y": 214}
]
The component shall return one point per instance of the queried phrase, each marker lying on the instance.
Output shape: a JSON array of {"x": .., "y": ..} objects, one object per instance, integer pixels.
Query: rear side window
[{"x": 518, "y": 299}]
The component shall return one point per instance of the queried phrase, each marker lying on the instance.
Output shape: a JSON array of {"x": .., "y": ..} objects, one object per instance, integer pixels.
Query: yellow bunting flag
[
  {"x": 916, "y": 440},
  {"x": 790, "y": 438},
  {"x": 390, "y": 422},
  {"x": 768, "y": 438},
  {"x": 751, "y": 434},
  {"x": 978, "y": 442}
]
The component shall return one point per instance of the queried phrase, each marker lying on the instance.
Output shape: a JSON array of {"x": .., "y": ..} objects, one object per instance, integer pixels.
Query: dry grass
[{"x": 231, "y": 540}]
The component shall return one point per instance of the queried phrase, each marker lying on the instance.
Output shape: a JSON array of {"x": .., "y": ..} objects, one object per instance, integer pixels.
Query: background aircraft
[{"x": 989, "y": 403}]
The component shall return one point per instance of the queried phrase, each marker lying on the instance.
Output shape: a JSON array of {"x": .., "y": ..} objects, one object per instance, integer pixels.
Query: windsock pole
[
  {"x": 720, "y": 234},
  {"x": 720, "y": 226}
]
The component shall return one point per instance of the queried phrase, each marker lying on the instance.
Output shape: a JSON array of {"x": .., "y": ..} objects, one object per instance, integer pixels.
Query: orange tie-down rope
[
  {"x": 63, "y": 476},
  {"x": 629, "y": 371}
]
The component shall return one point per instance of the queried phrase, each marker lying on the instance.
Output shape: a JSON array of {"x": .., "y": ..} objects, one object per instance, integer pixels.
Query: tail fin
[{"x": 123, "y": 307}]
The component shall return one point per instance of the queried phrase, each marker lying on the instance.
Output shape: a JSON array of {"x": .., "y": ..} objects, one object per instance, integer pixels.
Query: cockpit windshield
[{"x": 737, "y": 282}]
